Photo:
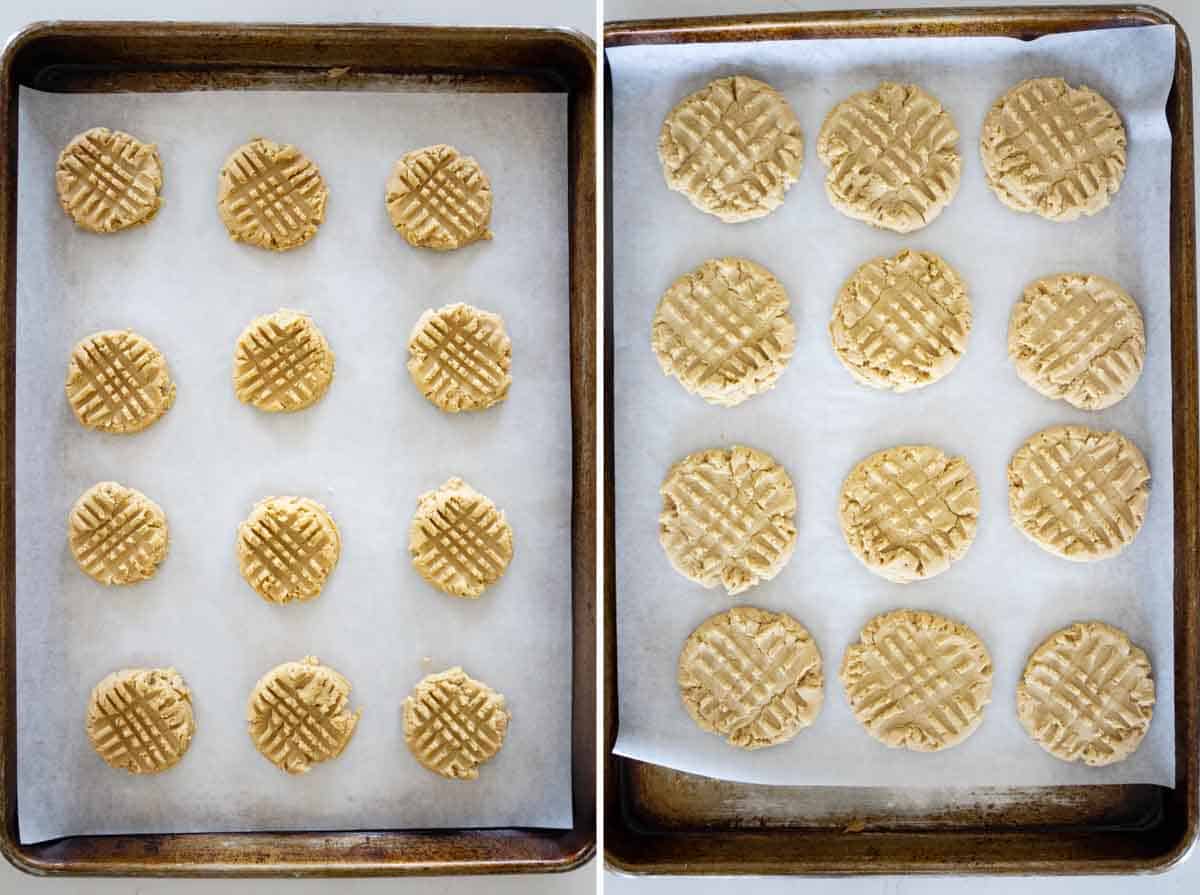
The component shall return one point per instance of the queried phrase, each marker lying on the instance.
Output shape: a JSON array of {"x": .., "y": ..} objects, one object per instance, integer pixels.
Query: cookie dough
[
  {"x": 140, "y": 719},
  {"x": 109, "y": 181},
  {"x": 118, "y": 382},
  {"x": 287, "y": 548},
  {"x": 459, "y": 541},
  {"x": 460, "y": 358},
  {"x": 117, "y": 535},
  {"x": 282, "y": 362},
  {"x": 270, "y": 195},
  {"x": 439, "y": 199},
  {"x": 454, "y": 723}
]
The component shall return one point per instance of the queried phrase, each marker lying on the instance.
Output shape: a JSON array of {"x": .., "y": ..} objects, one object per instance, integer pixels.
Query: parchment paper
[
  {"x": 819, "y": 423},
  {"x": 366, "y": 451}
]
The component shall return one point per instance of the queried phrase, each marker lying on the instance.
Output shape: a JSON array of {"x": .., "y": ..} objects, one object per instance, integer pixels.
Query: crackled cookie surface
[{"x": 140, "y": 720}]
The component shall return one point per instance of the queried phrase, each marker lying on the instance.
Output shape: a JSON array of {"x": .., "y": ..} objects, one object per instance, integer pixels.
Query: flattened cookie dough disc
[
  {"x": 733, "y": 148},
  {"x": 1077, "y": 492},
  {"x": 459, "y": 540},
  {"x": 453, "y": 724},
  {"x": 728, "y": 517},
  {"x": 298, "y": 715},
  {"x": 460, "y": 358},
  {"x": 439, "y": 199},
  {"x": 1079, "y": 338},
  {"x": 751, "y": 676},
  {"x": 909, "y": 512},
  {"x": 917, "y": 680},
  {"x": 109, "y": 181},
  {"x": 1053, "y": 149},
  {"x": 270, "y": 195},
  {"x": 282, "y": 363},
  {"x": 1087, "y": 695},
  {"x": 901, "y": 323},
  {"x": 892, "y": 155},
  {"x": 140, "y": 719},
  {"x": 118, "y": 382},
  {"x": 724, "y": 331},
  {"x": 117, "y": 535},
  {"x": 287, "y": 548}
]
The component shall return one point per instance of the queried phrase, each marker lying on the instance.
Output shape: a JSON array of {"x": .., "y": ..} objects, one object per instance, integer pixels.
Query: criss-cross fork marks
[
  {"x": 275, "y": 197},
  {"x": 440, "y": 196},
  {"x": 464, "y": 359},
  {"x": 108, "y": 180},
  {"x": 464, "y": 545},
  {"x": 285, "y": 549},
  {"x": 282, "y": 365},
  {"x": 139, "y": 727},
  {"x": 298, "y": 719},
  {"x": 117, "y": 536},
  {"x": 453, "y": 727},
  {"x": 117, "y": 380}
]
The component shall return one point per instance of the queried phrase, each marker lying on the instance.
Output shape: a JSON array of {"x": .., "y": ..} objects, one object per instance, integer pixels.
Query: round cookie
[
  {"x": 751, "y": 676},
  {"x": 140, "y": 719},
  {"x": 728, "y": 517},
  {"x": 733, "y": 148},
  {"x": 271, "y": 195},
  {"x": 287, "y": 547},
  {"x": 901, "y": 323},
  {"x": 453, "y": 724},
  {"x": 109, "y": 181},
  {"x": 117, "y": 535},
  {"x": 460, "y": 358},
  {"x": 724, "y": 331},
  {"x": 1077, "y": 492},
  {"x": 298, "y": 715},
  {"x": 1079, "y": 338},
  {"x": 459, "y": 541},
  {"x": 118, "y": 382},
  {"x": 438, "y": 199},
  {"x": 892, "y": 155},
  {"x": 909, "y": 512},
  {"x": 282, "y": 362},
  {"x": 1053, "y": 149},
  {"x": 917, "y": 680},
  {"x": 1087, "y": 695}
]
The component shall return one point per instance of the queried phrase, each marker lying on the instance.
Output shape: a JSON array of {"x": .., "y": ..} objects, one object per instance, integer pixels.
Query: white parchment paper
[
  {"x": 819, "y": 423},
  {"x": 366, "y": 451}
]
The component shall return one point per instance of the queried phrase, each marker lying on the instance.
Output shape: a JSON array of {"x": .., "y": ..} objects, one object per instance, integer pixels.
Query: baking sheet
[
  {"x": 366, "y": 451},
  {"x": 818, "y": 422}
]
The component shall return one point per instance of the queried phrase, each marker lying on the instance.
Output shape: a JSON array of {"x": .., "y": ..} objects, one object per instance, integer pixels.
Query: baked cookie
[
  {"x": 1077, "y": 492},
  {"x": 140, "y": 719},
  {"x": 724, "y": 330},
  {"x": 733, "y": 148},
  {"x": 118, "y": 382},
  {"x": 1087, "y": 695},
  {"x": 460, "y": 358},
  {"x": 1078, "y": 337},
  {"x": 892, "y": 155},
  {"x": 282, "y": 362},
  {"x": 1053, "y": 149},
  {"x": 298, "y": 715},
  {"x": 287, "y": 548},
  {"x": 117, "y": 535},
  {"x": 459, "y": 541},
  {"x": 909, "y": 512},
  {"x": 453, "y": 724},
  {"x": 917, "y": 680},
  {"x": 438, "y": 199},
  {"x": 751, "y": 676},
  {"x": 728, "y": 517},
  {"x": 901, "y": 323},
  {"x": 271, "y": 195},
  {"x": 109, "y": 181}
]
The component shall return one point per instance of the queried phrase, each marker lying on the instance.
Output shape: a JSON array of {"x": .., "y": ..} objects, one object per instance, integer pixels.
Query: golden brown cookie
[
  {"x": 733, "y": 148},
  {"x": 917, "y": 680},
  {"x": 271, "y": 195},
  {"x": 460, "y": 358},
  {"x": 282, "y": 362},
  {"x": 287, "y": 548},
  {"x": 751, "y": 676},
  {"x": 453, "y": 724},
  {"x": 298, "y": 715},
  {"x": 459, "y": 541},
  {"x": 1087, "y": 695},
  {"x": 109, "y": 181},
  {"x": 117, "y": 535},
  {"x": 724, "y": 331},
  {"x": 909, "y": 512},
  {"x": 140, "y": 719},
  {"x": 118, "y": 382},
  {"x": 1077, "y": 492},
  {"x": 438, "y": 199},
  {"x": 901, "y": 323},
  {"x": 1078, "y": 337},
  {"x": 892, "y": 155},
  {"x": 1053, "y": 149},
  {"x": 728, "y": 517}
]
